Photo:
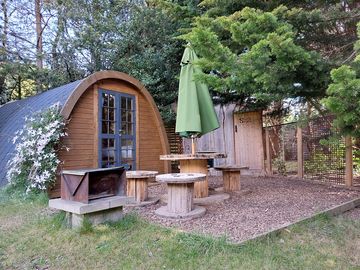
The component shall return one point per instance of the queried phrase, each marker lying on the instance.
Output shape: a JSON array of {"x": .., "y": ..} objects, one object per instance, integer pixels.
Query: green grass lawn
[{"x": 32, "y": 238}]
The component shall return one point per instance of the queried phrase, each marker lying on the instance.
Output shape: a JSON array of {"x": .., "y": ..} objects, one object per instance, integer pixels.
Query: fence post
[
  {"x": 348, "y": 162},
  {"x": 300, "y": 153},
  {"x": 268, "y": 152}
]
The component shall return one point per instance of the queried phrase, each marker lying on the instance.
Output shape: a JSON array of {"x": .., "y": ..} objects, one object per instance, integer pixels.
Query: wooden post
[
  {"x": 268, "y": 152},
  {"x": 197, "y": 166},
  {"x": 300, "y": 153},
  {"x": 192, "y": 145},
  {"x": 348, "y": 162}
]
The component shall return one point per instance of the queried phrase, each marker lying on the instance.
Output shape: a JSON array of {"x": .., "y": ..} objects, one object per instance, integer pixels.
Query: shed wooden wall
[
  {"x": 83, "y": 132},
  {"x": 220, "y": 140},
  {"x": 244, "y": 147}
]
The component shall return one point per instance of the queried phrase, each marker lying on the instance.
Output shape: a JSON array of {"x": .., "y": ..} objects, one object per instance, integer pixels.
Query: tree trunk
[
  {"x": 5, "y": 26},
  {"x": 39, "y": 45},
  {"x": 19, "y": 87},
  {"x": 3, "y": 50}
]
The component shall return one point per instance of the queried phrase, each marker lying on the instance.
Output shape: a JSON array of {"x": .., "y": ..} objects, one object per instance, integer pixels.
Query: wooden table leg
[
  {"x": 180, "y": 198},
  {"x": 201, "y": 189},
  {"x": 138, "y": 188},
  {"x": 231, "y": 180}
]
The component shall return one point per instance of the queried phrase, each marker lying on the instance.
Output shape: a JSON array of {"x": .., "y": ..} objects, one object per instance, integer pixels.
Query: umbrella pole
[{"x": 192, "y": 145}]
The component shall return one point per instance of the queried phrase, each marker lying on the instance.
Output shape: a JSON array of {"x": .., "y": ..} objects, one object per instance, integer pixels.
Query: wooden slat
[
  {"x": 268, "y": 153},
  {"x": 86, "y": 122},
  {"x": 82, "y": 131},
  {"x": 80, "y": 125},
  {"x": 220, "y": 140},
  {"x": 77, "y": 147},
  {"x": 300, "y": 153},
  {"x": 79, "y": 141},
  {"x": 77, "y": 164},
  {"x": 348, "y": 162}
]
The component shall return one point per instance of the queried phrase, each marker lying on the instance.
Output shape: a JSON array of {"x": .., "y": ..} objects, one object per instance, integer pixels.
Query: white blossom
[{"x": 35, "y": 153}]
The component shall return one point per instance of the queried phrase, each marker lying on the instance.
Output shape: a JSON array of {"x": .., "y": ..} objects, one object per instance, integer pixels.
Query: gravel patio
[{"x": 266, "y": 203}]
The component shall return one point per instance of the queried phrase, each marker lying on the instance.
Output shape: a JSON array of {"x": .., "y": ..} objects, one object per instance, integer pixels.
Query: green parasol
[{"x": 195, "y": 111}]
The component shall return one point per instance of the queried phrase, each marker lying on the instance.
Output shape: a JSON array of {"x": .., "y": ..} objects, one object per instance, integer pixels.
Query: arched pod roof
[{"x": 12, "y": 114}]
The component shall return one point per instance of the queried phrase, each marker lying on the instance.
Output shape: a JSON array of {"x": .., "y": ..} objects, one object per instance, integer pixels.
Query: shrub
[
  {"x": 34, "y": 165},
  {"x": 318, "y": 163},
  {"x": 280, "y": 165}
]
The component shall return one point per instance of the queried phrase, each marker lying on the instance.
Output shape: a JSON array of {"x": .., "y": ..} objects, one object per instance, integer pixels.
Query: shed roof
[{"x": 12, "y": 118}]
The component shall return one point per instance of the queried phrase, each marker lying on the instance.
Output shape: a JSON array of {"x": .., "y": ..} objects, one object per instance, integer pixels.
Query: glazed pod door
[{"x": 117, "y": 130}]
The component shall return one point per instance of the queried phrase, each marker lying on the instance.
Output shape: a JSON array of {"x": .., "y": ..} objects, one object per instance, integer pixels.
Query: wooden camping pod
[{"x": 82, "y": 111}]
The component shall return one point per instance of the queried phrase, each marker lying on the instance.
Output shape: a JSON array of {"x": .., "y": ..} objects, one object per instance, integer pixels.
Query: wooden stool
[
  {"x": 181, "y": 195},
  {"x": 137, "y": 185},
  {"x": 231, "y": 177}
]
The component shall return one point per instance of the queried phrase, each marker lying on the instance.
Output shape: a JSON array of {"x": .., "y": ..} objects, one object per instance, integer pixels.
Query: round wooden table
[
  {"x": 196, "y": 163},
  {"x": 180, "y": 188},
  {"x": 137, "y": 184}
]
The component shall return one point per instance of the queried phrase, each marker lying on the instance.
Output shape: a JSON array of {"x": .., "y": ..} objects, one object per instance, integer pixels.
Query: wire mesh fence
[{"x": 323, "y": 152}]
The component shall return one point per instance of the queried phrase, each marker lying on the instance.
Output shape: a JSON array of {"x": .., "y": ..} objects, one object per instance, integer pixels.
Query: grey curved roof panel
[{"x": 12, "y": 118}]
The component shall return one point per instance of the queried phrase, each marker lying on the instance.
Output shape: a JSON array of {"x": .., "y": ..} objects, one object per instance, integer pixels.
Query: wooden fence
[{"x": 175, "y": 143}]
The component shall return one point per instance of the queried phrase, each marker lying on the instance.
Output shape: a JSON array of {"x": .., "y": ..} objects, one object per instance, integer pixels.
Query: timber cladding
[
  {"x": 248, "y": 134},
  {"x": 83, "y": 135}
]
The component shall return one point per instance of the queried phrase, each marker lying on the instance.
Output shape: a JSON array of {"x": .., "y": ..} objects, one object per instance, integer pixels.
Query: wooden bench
[
  {"x": 231, "y": 177},
  {"x": 137, "y": 184},
  {"x": 180, "y": 188}
]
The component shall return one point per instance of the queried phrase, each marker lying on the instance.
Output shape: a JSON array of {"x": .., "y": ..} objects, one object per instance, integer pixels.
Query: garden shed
[
  {"x": 113, "y": 121},
  {"x": 240, "y": 137}
]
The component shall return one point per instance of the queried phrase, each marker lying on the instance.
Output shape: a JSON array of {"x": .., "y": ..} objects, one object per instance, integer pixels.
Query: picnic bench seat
[
  {"x": 231, "y": 176},
  {"x": 137, "y": 186}
]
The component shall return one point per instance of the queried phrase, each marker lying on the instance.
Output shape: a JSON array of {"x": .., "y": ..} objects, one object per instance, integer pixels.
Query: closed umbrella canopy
[{"x": 195, "y": 112}]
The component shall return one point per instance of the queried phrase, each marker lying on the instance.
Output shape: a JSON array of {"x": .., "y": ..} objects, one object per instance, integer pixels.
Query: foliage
[
  {"x": 137, "y": 37},
  {"x": 280, "y": 165},
  {"x": 329, "y": 157},
  {"x": 356, "y": 161},
  {"x": 318, "y": 163},
  {"x": 155, "y": 61},
  {"x": 126, "y": 36},
  {"x": 34, "y": 165},
  {"x": 344, "y": 96},
  {"x": 329, "y": 27},
  {"x": 254, "y": 53}
]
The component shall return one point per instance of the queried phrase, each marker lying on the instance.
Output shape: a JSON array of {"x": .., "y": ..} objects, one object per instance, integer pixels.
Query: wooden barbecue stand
[{"x": 95, "y": 194}]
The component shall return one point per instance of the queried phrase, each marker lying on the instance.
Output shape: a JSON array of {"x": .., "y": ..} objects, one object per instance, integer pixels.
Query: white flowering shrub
[{"x": 35, "y": 162}]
